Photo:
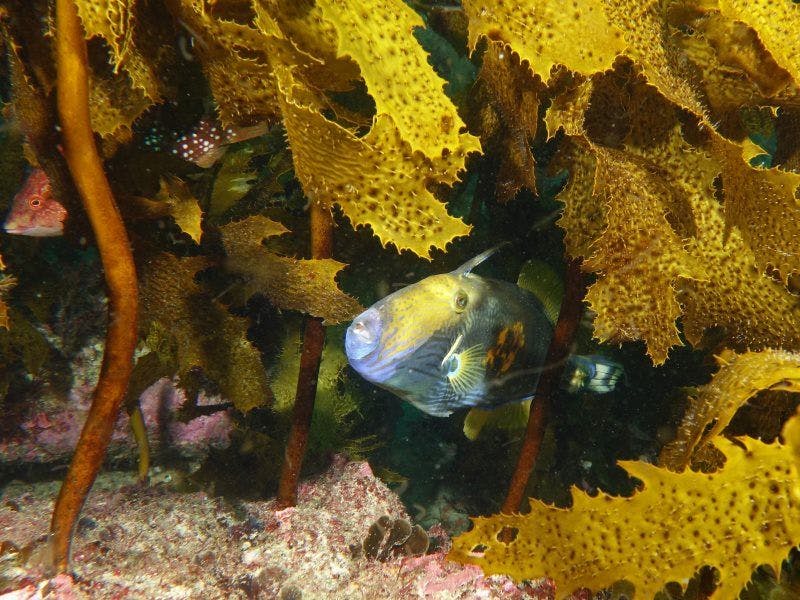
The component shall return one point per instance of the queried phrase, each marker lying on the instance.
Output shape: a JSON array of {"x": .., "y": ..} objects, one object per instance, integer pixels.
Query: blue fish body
[
  {"x": 459, "y": 340},
  {"x": 488, "y": 354}
]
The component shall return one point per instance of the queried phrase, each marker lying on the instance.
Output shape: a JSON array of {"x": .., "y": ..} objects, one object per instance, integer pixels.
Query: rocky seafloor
[{"x": 158, "y": 542}]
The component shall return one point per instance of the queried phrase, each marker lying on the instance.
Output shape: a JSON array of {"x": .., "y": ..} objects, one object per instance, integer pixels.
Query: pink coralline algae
[
  {"x": 49, "y": 434},
  {"x": 155, "y": 542},
  {"x": 60, "y": 587}
]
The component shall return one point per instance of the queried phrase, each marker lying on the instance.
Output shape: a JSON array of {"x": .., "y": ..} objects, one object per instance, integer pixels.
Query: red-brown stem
[
  {"x": 313, "y": 342},
  {"x": 568, "y": 319},
  {"x": 115, "y": 253}
]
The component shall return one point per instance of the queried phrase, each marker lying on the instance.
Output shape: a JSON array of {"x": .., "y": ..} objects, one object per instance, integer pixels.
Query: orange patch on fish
[{"x": 501, "y": 356}]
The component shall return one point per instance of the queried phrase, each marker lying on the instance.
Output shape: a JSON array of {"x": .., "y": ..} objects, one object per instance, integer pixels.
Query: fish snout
[{"x": 363, "y": 335}]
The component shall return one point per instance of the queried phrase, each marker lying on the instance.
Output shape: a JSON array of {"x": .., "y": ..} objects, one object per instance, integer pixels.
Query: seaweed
[{"x": 673, "y": 126}]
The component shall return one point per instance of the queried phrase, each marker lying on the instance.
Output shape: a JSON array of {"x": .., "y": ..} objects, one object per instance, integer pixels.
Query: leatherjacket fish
[{"x": 460, "y": 340}]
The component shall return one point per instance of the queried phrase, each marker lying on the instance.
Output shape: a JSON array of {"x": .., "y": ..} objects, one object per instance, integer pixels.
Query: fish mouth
[
  {"x": 33, "y": 231},
  {"x": 363, "y": 335},
  {"x": 371, "y": 346}
]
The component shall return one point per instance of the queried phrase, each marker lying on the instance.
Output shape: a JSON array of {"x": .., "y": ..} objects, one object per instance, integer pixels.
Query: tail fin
[{"x": 593, "y": 373}]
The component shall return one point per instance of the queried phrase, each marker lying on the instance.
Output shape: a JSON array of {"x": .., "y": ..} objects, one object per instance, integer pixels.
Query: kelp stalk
[
  {"x": 117, "y": 259},
  {"x": 560, "y": 346},
  {"x": 313, "y": 342}
]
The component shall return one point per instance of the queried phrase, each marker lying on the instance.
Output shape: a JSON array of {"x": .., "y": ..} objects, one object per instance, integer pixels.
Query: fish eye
[
  {"x": 35, "y": 202},
  {"x": 460, "y": 300}
]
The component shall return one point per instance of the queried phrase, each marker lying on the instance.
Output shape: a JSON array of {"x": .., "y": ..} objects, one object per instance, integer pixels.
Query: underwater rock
[
  {"x": 167, "y": 544},
  {"x": 49, "y": 431}
]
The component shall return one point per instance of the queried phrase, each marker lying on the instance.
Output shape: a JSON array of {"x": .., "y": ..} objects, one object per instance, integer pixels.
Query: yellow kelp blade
[
  {"x": 568, "y": 110},
  {"x": 510, "y": 416},
  {"x": 7, "y": 282},
  {"x": 133, "y": 70},
  {"x": 640, "y": 257},
  {"x": 181, "y": 205},
  {"x": 377, "y": 34},
  {"x": 114, "y": 104},
  {"x": 506, "y": 94},
  {"x": 650, "y": 45},
  {"x": 179, "y": 315},
  {"x": 740, "y": 377},
  {"x": 763, "y": 205},
  {"x": 377, "y": 180},
  {"x": 336, "y": 406},
  {"x": 777, "y": 24},
  {"x": 305, "y": 285},
  {"x": 236, "y": 61},
  {"x": 584, "y": 216},
  {"x": 586, "y": 36},
  {"x": 742, "y": 516},
  {"x": 751, "y": 308},
  {"x": 136, "y": 33},
  {"x": 548, "y": 33},
  {"x": 735, "y": 69}
]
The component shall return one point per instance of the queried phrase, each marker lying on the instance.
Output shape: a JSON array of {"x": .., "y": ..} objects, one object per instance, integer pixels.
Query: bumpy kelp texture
[
  {"x": 182, "y": 206},
  {"x": 376, "y": 179},
  {"x": 763, "y": 205},
  {"x": 776, "y": 23},
  {"x": 307, "y": 285},
  {"x": 674, "y": 124},
  {"x": 734, "y": 520},
  {"x": 579, "y": 35},
  {"x": 704, "y": 270},
  {"x": 506, "y": 114},
  {"x": 375, "y": 34},
  {"x": 130, "y": 52},
  {"x": 712, "y": 406},
  {"x": 383, "y": 178},
  {"x": 675, "y": 128},
  {"x": 195, "y": 332},
  {"x": 640, "y": 252}
]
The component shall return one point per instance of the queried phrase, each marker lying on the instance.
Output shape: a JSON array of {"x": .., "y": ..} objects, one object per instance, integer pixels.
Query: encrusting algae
[{"x": 674, "y": 128}]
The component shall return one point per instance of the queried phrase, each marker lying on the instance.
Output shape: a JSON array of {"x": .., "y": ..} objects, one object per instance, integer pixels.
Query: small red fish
[
  {"x": 208, "y": 141},
  {"x": 34, "y": 210}
]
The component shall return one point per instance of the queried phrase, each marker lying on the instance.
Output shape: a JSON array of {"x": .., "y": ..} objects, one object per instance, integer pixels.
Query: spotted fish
[
  {"x": 204, "y": 144},
  {"x": 459, "y": 340},
  {"x": 208, "y": 141}
]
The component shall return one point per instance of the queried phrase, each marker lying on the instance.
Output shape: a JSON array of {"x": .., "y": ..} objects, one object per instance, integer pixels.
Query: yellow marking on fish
[
  {"x": 501, "y": 356},
  {"x": 407, "y": 325}
]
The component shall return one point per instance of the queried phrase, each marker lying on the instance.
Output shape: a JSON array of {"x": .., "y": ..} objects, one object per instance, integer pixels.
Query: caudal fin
[{"x": 592, "y": 373}]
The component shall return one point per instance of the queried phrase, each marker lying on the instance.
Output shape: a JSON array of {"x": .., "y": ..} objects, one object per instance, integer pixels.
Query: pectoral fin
[{"x": 464, "y": 370}]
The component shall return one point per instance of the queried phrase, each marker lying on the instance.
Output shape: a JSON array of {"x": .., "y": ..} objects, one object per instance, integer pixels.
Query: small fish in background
[
  {"x": 208, "y": 141},
  {"x": 460, "y": 340},
  {"x": 34, "y": 210}
]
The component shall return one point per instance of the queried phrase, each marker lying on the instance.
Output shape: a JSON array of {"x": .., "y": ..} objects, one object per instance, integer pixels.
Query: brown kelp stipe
[
  {"x": 115, "y": 253},
  {"x": 313, "y": 341},
  {"x": 568, "y": 319}
]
